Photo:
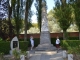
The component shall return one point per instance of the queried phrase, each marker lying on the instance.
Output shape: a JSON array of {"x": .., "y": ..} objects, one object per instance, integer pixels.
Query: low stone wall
[{"x": 52, "y": 35}]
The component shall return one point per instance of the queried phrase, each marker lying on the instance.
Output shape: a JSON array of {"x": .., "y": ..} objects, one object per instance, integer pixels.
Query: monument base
[
  {"x": 45, "y": 43},
  {"x": 45, "y": 47}
]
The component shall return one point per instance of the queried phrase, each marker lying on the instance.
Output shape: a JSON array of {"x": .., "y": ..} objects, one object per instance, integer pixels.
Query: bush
[
  {"x": 73, "y": 38},
  {"x": 23, "y": 45},
  {"x": 5, "y": 46},
  {"x": 1, "y": 39},
  {"x": 66, "y": 44}
]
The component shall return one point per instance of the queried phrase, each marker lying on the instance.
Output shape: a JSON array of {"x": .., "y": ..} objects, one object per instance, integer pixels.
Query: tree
[
  {"x": 9, "y": 18},
  {"x": 77, "y": 14},
  {"x": 38, "y": 6},
  {"x": 63, "y": 14},
  {"x": 4, "y": 29},
  {"x": 53, "y": 24},
  {"x": 27, "y": 9},
  {"x": 16, "y": 10}
]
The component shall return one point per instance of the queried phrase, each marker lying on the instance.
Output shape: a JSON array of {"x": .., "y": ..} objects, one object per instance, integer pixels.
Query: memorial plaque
[{"x": 15, "y": 44}]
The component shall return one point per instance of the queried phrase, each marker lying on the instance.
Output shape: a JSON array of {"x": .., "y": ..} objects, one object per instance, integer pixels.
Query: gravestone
[
  {"x": 45, "y": 42},
  {"x": 14, "y": 44}
]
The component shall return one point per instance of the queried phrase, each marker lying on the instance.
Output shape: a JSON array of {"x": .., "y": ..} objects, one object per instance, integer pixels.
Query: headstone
[
  {"x": 14, "y": 44},
  {"x": 45, "y": 43}
]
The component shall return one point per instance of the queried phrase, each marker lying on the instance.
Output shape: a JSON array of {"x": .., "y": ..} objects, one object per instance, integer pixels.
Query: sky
[{"x": 50, "y": 5}]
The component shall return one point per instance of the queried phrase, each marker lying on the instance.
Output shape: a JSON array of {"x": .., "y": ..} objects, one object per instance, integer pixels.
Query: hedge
[
  {"x": 36, "y": 42},
  {"x": 23, "y": 45},
  {"x": 69, "y": 43},
  {"x": 5, "y": 46}
]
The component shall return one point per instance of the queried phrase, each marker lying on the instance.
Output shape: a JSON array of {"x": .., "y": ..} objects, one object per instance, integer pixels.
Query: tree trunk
[
  {"x": 10, "y": 25},
  {"x": 64, "y": 35},
  {"x": 79, "y": 34},
  {"x": 25, "y": 35}
]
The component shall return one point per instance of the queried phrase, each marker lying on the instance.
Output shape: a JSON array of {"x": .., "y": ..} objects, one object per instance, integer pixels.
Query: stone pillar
[
  {"x": 22, "y": 57},
  {"x": 70, "y": 56},
  {"x": 64, "y": 54},
  {"x": 45, "y": 42}
]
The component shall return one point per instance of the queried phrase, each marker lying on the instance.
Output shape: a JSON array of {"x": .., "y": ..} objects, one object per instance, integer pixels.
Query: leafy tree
[
  {"x": 4, "y": 29},
  {"x": 16, "y": 10},
  {"x": 38, "y": 6},
  {"x": 53, "y": 24},
  {"x": 77, "y": 14},
  {"x": 27, "y": 9},
  {"x": 10, "y": 33},
  {"x": 63, "y": 14}
]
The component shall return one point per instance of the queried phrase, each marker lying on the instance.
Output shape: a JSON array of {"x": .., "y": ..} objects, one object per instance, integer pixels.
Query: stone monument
[
  {"x": 45, "y": 43},
  {"x": 14, "y": 44}
]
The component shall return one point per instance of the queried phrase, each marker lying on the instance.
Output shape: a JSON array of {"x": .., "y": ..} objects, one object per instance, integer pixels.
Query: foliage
[
  {"x": 27, "y": 12},
  {"x": 16, "y": 54},
  {"x": 17, "y": 16},
  {"x": 4, "y": 29},
  {"x": 75, "y": 51},
  {"x": 21, "y": 22},
  {"x": 1, "y": 39},
  {"x": 23, "y": 45},
  {"x": 63, "y": 13},
  {"x": 38, "y": 6},
  {"x": 33, "y": 30},
  {"x": 29, "y": 24},
  {"x": 68, "y": 44},
  {"x": 1, "y": 56},
  {"x": 35, "y": 25},
  {"x": 53, "y": 24},
  {"x": 5, "y": 46},
  {"x": 23, "y": 52},
  {"x": 77, "y": 15}
]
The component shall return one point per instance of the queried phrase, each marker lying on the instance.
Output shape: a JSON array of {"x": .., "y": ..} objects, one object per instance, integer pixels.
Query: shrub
[
  {"x": 23, "y": 45},
  {"x": 66, "y": 44},
  {"x": 1, "y": 39},
  {"x": 5, "y": 46}
]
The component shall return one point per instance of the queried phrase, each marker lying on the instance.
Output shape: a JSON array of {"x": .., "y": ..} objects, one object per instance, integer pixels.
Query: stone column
[{"x": 45, "y": 42}]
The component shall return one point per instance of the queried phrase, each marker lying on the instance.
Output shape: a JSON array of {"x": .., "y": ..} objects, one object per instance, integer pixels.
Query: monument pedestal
[{"x": 45, "y": 43}]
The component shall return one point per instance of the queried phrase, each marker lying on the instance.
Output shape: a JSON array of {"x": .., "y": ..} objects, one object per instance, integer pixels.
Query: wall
[{"x": 52, "y": 35}]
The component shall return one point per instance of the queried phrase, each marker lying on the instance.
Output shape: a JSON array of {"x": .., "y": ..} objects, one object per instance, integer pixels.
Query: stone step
[
  {"x": 45, "y": 52},
  {"x": 57, "y": 56},
  {"x": 35, "y": 57},
  {"x": 46, "y": 55}
]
